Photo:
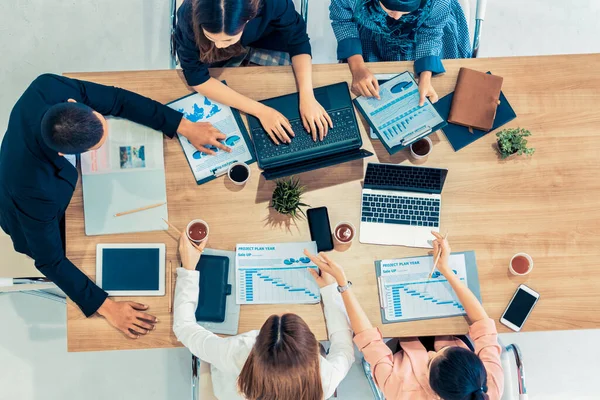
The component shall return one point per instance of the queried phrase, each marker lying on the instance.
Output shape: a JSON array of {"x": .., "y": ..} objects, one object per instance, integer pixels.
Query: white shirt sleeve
[
  {"x": 219, "y": 352},
  {"x": 341, "y": 351}
]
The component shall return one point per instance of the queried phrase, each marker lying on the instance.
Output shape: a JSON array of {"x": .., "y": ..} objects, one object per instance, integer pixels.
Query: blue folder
[
  {"x": 458, "y": 135},
  {"x": 472, "y": 279}
]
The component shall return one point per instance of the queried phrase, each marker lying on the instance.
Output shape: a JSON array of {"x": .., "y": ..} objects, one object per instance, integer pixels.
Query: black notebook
[{"x": 214, "y": 289}]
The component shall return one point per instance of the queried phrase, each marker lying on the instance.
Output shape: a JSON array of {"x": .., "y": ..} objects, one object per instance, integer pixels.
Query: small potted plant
[
  {"x": 287, "y": 198},
  {"x": 512, "y": 141}
]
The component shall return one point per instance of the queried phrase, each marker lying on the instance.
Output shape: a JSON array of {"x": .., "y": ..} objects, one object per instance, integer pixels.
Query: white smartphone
[{"x": 519, "y": 307}]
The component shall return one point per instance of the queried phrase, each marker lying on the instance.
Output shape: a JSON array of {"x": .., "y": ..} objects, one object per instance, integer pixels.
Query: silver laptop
[{"x": 401, "y": 205}]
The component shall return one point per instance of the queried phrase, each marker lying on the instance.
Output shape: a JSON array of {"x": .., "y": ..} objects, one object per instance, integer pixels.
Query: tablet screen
[{"x": 130, "y": 269}]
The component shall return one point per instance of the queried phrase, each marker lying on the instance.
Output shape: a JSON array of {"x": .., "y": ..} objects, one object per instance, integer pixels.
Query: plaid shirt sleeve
[
  {"x": 345, "y": 29},
  {"x": 429, "y": 39}
]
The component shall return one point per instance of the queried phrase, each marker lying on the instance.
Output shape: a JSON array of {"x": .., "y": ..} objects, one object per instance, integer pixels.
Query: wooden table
[{"x": 546, "y": 205}]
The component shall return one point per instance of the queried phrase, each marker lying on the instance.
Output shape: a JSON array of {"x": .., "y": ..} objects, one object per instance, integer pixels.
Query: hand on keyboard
[
  {"x": 276, "y": 125},
  {"x": 315, "y": 119}
]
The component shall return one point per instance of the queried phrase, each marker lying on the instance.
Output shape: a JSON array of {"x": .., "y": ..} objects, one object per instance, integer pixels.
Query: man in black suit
[{"x": 57, "y": 116}]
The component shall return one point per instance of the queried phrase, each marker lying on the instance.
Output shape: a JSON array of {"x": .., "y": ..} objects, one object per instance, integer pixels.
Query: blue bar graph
[{"x": 277, "y": 285}]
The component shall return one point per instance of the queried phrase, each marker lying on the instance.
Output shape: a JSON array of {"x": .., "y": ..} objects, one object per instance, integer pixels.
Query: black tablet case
[{"x": 214, "y": 289}]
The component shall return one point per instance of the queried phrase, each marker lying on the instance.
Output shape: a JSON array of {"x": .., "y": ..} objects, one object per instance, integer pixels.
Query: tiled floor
[{"x": 40, "y": 36}]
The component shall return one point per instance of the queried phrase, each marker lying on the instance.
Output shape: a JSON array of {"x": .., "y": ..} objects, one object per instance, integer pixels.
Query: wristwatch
[{"x": 347, "y": 286}]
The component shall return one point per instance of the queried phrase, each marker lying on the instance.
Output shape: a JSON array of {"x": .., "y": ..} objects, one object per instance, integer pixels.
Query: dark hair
[
  {"x": 221, "y": 16},
  {"x": 458, "y": 374},
  {"x": 284, "y": 362},
  {"x": 71, "y": 128}
]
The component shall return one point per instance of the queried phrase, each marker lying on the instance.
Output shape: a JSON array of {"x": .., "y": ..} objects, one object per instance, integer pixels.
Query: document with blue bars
[
  {"x": 407, "y": 294},
  {"x": 275, "y": 274}
]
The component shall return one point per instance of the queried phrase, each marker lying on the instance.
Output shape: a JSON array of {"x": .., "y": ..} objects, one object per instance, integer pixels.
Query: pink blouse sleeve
[
  {"x": 485, "y": 336},
  {"x": 377, "y": 354}
]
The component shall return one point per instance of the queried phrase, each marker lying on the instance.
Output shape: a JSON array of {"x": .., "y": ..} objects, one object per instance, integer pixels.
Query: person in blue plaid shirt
[{"x": 425, "y": 31}]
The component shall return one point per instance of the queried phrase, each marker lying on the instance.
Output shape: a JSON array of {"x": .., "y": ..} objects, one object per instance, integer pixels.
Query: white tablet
[{"x": 133, "y": 269}]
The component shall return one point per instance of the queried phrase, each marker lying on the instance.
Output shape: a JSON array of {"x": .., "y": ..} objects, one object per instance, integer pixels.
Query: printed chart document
[
  {"x": 406, "y": 293},
  {"x": 126, "y": 173},
  {"x": 198, "y": 108},
  {"x": 275, "y": 274},
  {"x": 397, "y": 117}
]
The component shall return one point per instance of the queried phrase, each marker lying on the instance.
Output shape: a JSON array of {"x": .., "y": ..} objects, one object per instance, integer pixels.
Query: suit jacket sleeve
[
  {"x": 194, "y": 70},
  {"x": 38, "y": 218},
  {"x": 110, "y": 100},
  {"x": 290, "y": 28}
]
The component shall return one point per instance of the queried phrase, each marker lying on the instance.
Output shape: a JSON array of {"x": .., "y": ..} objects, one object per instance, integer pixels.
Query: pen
[{"x": 437, "y": 258}]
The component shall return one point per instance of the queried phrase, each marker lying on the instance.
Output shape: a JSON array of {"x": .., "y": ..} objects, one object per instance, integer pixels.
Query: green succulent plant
[
  {"x": 512, "y": 140},
  {"x": 287, "y": 198}
]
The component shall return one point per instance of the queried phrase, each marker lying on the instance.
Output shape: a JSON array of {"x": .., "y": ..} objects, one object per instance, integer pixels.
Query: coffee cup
[
  {"x": 344, "y": 232},
  {"x": 197, "y": 231},
  {"x": 238, "y": 173},
  {"x": 421, "y": 149},
  {"x": 520, "y": 264}
]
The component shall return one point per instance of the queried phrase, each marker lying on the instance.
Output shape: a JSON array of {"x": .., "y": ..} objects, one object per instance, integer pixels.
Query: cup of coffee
[
  {"x": 197, "y": 231},
  {"x": 344, "y": 232},
  {"x": 239, "y": 173},
  {"x": 420, "y": 149},
  {"x": 520, "y": 264}
]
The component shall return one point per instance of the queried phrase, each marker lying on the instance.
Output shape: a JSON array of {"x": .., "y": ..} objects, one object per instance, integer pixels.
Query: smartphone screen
[
  {"x": 520, "y": 307},
  {"x": 320, "y": 230}
]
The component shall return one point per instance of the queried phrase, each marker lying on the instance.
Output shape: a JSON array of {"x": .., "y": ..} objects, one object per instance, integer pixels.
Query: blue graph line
[
  {"x": 275, "y": 281},
  {"x": 424, "y": 296}
]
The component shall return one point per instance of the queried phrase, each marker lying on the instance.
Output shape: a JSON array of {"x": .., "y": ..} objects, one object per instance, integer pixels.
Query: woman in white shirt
[{"x": 281, "y": 361}]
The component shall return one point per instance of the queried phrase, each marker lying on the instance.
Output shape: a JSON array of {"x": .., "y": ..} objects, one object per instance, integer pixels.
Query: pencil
[
  {"x": 179, "y": 232},
  {"x": 171, "y": 286},
  {"x": 437, "y": 258},
  {"x": 140, "y": 209}
]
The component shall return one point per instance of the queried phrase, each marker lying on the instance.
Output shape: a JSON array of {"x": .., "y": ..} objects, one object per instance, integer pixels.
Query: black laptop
[{"x": 343, "y": 142}]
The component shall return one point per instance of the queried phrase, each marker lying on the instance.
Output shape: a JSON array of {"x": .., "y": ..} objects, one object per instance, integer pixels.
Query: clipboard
[
  {"x": 215, "y": 173},
  {"x": 424, "y": 131},
  {"x": 472, "y": 282}
]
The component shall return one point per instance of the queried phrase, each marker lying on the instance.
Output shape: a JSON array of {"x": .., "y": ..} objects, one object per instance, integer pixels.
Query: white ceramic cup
[
  {"x": 229, "y": 173},
  {"x": 418, "y": 156},
  {"x": 529, "y": 259},
  {"x": 187, "y": 230},
  {"x": 336, "y": 229}
]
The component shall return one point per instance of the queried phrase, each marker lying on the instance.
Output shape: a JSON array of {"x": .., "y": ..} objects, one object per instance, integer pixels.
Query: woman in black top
[{"x": 213, "y": 31}]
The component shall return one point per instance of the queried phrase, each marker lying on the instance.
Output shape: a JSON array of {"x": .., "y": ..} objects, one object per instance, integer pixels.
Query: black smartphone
[{"x": 320, "y": 230}]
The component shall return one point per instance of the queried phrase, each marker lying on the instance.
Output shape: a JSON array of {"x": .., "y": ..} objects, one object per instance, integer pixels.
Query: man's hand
[
  {"x": 202, "y": 134},
  {"x": 188, "y": 253},
  {"x": 314, "y": 117},
  {"x": 426, "y": 89},
  {"x": 364, "y": 82},
  {"x": 127, "y": 316}
]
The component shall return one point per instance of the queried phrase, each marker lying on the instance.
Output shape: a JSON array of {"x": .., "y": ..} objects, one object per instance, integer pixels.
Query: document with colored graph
[
  {"x": 275, "y": 274},
  {"x": 407, "y": 294}
]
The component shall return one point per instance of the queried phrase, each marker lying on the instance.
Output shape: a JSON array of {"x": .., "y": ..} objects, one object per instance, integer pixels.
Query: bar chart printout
[
  {"x": 407, "y": 294},
  {"x": 275, "y": 274}
]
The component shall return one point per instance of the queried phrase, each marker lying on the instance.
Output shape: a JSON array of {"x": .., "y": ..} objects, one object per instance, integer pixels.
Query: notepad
[{"x": 407, "y": 294}]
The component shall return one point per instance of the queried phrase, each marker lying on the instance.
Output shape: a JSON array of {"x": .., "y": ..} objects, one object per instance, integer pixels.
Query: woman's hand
[
  {"x": 442, "y": 244},
  {"x": 426, "y": 90},
  {"x": 314, "y": 117},
  {"x": 189, "y": 254},
  {"x": 276, "y": 125},
  {"x": 323, "y": 279},
  {"x": 327, "y": 266},
  {"x": 201, "y": 134},
  {"x": 364, "y": 82}
]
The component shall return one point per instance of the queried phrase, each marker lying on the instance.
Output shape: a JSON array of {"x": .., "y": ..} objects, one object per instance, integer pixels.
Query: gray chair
[{"x": 514, "y": 375}]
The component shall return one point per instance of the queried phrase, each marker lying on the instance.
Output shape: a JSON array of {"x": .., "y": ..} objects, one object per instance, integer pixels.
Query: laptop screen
[{"x": 405, "y": 178}]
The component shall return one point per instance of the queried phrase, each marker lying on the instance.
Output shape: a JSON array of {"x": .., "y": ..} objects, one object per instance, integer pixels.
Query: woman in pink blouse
[{"x": 443, "y": 367}]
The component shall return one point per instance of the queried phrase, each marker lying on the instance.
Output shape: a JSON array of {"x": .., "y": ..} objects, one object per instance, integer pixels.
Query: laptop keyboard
[
  {"x": 415, "y": 211},
  {"x": 386, "y": 176},
  {"x": 344, "y": 129}
]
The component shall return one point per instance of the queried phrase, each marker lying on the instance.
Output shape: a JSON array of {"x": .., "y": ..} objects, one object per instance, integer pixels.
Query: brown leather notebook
[{"x": 475, "y": 100}]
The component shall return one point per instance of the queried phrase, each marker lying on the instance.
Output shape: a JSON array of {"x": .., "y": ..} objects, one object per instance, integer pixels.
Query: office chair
[
  {"x": 512, "y": 364},
  {"x": 479, "y": 17}
]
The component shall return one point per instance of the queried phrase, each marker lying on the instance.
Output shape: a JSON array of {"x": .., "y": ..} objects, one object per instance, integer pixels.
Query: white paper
[
  {"x": 275, "y": 274},
  {"x": 397, "y": 115},
  {"x": 408, "y": 294},
  {"x": 198, "y": 108}
]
